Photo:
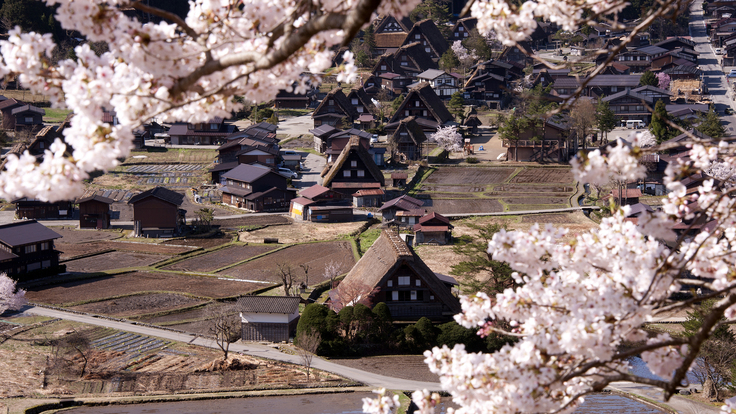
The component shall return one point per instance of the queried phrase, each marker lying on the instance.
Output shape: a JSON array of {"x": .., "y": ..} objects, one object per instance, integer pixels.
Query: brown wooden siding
[{"x": 152, "y": 212}]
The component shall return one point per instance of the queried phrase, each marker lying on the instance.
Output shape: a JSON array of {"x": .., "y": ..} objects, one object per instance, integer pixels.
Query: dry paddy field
[{"x": 218, "y": 259}]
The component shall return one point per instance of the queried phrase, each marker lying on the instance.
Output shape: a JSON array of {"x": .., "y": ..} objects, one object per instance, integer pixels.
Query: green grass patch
[
  {"x": 55, "y": 115},
  {"x": 367, "y": 238},
  {"x": 290, "y": 112}
]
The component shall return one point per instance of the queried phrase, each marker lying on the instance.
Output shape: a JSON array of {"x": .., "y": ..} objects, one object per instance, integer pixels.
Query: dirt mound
[{"x": 227, "y": 365}]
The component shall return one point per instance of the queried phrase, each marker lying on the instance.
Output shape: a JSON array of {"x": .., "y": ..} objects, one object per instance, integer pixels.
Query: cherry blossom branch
[{"x": 172, "y": 17}]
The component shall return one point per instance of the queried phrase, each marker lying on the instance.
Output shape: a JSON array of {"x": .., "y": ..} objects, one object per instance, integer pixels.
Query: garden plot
[
  {"x": 74, "y": 250},
  {"x": 113, "y": 260},
  {"x": 197, "y": 314},
  {"x": 139, "y": 304},
  {"x": 544, "y": 175},
  {"x": 533, "y": 189},
  {"x": 536, "y": 200},
  {"x": 452, "y": 189},
  {"x": 463, "y": 206},
  {"x": 129, "y": 343},
  {"x": 220, "y": 258},
  {"x": 548, "y": 218},
  {"x": 469, "y": 176},
  {"x": 107, "y": 287},
  {"x": 207, "y": 243},
  {"x": 115, "y": 195},
  {"x": 72, "y": 236},
  {"x": 161, "y": 168},
  {"x": 315, "y": 255}
]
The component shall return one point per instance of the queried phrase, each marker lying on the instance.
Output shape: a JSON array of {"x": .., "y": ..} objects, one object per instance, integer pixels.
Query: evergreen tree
[
  {"x": 435, "y": 10},
  {"x": 396, "y": 103},
  {"x": 369, "y": 39},
  {"x": 478, "y": 45},
  {"x": 659, "y": 128},
  {"x": 606, "y": 117},
  {"x": 478, "y": 271},
  {"x": 273, "y": 119},
  {"x": 449, "y": 60},
  {"x": 456, "y": 104},
  {"x": 513, "y": 127},
  {"x": 648, "y": 78},
  {"x": 710, "y": 124}
]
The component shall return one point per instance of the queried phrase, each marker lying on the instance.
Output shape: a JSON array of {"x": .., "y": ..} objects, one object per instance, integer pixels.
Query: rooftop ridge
[{"x": 398, "y": 245}]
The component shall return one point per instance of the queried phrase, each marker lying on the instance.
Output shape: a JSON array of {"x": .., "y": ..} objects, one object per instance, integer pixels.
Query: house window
[
  {"x": 354, "y": 101},
  {"x": 404, "y": 63},
  {"x": 269, "y": 161},
  {"x": 383, "y": 67},
  {"x": 406, "y": 113},
  {"x": 29, "y": 120},
  {"x": 190, "y": 126},
  {"x": 424, "y": 113},
  {"x": 419, "y": 282},
  {"x": 614, "y": 88},
  {"x": 45, "y": 246},
  {"x": 390, "y": 283},
  {"x": 403, "y": 219},
  {"x": 369, "y": 84},
  {"x": 416, "y": 103},
  {"x": 431, "y": 297},
  {"x": 332, "y": 102},
  {"x": 457, "y": 34},
  {"x": 395, "y": 295},
  {"x": 404, "y": 280},
  {"x": 346, "y": 173},
  {"x": 361, "y": 173},
  {"x": 413, "y": 295},
  {"x": 360, "y": 109},
  {"x": 40, "y": 145},
  {"x": 30, "y": 249},
  {"x": 465, "y": 34},
  {"x": 417, "y": 36},
  {"x": 213, "y": 126},
  {"x": 640, "y": 107},
  {"x": 353, "y": 163},
  {"x": 460, "y": 28},
  {"x": 428, "y": 50}
]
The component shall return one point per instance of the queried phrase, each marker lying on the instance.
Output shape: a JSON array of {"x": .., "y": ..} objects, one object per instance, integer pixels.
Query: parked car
[
  {"x": 374, "y": 139},
  {"x": 728, "y": 111},
  {"x": 287, "y": 172},
  {"x": 719, "y": 51}
]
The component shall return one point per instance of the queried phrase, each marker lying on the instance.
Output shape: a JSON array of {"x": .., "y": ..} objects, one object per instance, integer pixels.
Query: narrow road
[{"x": 368, "y": 378}]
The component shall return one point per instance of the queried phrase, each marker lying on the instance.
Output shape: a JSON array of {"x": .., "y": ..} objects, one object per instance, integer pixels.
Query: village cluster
[{"x": 193, "y": 234}]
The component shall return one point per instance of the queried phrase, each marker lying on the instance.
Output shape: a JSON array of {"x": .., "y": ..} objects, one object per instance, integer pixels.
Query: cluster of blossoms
[
  {"x": 188, "y": 70},
  {"x": 10, "y": 298},
  {"x": 448, "y": 138},
  {"x": 579, "y": 300}
]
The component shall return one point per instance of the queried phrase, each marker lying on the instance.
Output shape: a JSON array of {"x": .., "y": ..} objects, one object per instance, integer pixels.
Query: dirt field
[
  {"x": 253, "y": 221},
  {"x": 129, "y": 283},
  {"x": 316, "y": 255},
  {"x": 72, "y": 236},
  {"x": 536, "y": 200},
  {"x": 139, "y": 304},
  {"x": 203, "y": 243},
  {"x": 531, "y": 189},
  {"x": 411, "y": 367},
  {"x": 113, "y": 260},
  {"x": 72, "y": 250},
  {"x": 220, "y": 258},
  {"x": 302, "y": 233},
  {"x": 469, "y": 176},
  {"x": 463, "y": 206},
  {"x": 544, "y": 175}
]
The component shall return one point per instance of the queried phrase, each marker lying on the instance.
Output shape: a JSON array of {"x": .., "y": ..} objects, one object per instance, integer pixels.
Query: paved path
[
  {"x": 368, "y": 378},
  {"x": 680, "y": 404}
]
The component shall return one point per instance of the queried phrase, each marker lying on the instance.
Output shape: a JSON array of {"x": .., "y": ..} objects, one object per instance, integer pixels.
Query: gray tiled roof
[
  {"x": 161, "y": 193},
  {"x": 268, "y": 304},
  {"x": 26, "y": 232}
]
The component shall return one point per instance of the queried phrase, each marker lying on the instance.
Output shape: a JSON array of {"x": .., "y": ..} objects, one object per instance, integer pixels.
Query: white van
[
  {"x": 719, "y": 51},
  {"x": 634, "y": 124}
]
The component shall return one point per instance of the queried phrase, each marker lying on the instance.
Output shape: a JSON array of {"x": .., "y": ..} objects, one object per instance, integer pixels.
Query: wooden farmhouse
[
  {"x": 423, "y": 104},
  {"x": 27, "y": 246},
  {"x": 353, "y": 170},
  {"x": 31, "y": 208},
  {"x": 443, "y": 83},
  {"x": 6, "y": 107},
  {"x": 256, "y": 188},
  {"x": 268, "y": 318},
  {"x": 462, "y": 28},
  {"x": 335, "y": 109},
  {"x": 433, "y": 228},
  {"x": 156, "y": 213},
  {"x": 405, "y": 203},
  {"x": 430, "y": 37},
  {"x": 28, "y": 117},
  {"x": 408, "y": 139},
  {"x": 94, "y": 212},
  {"x": 205, "y": 133},
  {"x": 320, "y": 204},
  {"x": 392, "y": 273},
  {"x": 398, "y": 179}
]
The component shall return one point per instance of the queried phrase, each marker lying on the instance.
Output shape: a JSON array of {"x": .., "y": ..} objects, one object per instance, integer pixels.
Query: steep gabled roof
[
  {"x": 28, "y": 108},
  {"x": 323, "y": 130},
  {"x": 404, "y": 23},
  {"x": 629, "y": 92},
  {"x": 414, "y": 50},
  {"x": 414, "y": 130},
  {"x": 403, "y": 202},
  {"x": 384, "y": 258},
  {"x": 433, "y": 103},
  {"x": 365, "y": 157},
  {"x": 95, "y": 197},
  {"x": 434, "y": 37},
  {"x": 25, "y": 232},
  {"x": 246, "y": 173},
  {"x": 340, "y": 100},
  {"x": 434, "y": 216},
  {"x": 10, "y": 103},
  {"x": 468, "y": 23},
  {"x": 161, "y": 193},
  {"x": 286, "y": 305},
  {"x": 389, "y": 40},
  {"x": 359, "y": 93}
]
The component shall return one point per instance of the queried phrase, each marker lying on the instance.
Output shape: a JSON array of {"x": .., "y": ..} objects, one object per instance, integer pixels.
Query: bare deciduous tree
[
  {"x": 224, "y": 328},
  {"x": 66, "y": 348},
  {"x": 286, "y": 274},
  {"x": 306, "y": 268},
  {"x": 332, "y": 270},
  {"x": 307, "y": 343},
  {"x": 583, "y": 116},
  {"x": 350, "y": 294}
]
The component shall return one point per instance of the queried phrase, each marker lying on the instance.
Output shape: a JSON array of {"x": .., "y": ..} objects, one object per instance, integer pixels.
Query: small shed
[
  {"x": 292, "y": 161},
  {"x": 399, "y": 179},
  {"x": 330, "y": 214},
  {"x": 298, "y": 208},
  {"x": 156, "y": 212},
  {"x": 268, "y": 318},
  {"x": 630, "y": 196},
  {"x": 94, "y": 212},
  {"x": 433, "y": 228},
  {"x": 368, "y": 197},
  {"x": 31, "y": 208}
]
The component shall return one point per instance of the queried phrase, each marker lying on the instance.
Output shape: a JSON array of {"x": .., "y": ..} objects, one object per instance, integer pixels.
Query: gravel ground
[
  {"x": 139, "y": 304},
  {"x": 410, "y": 367}
]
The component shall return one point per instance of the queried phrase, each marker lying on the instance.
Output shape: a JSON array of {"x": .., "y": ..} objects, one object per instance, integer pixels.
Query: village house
[
  {"x": 599, "y": 86},
  {"x": 371, "y": 84},
  {"x": 94, "y": 212},
  {"x": 630, "y": 105},
  {"x": 408, "y": 139},
  {"x": 430, "y": 37},
  {"x": 156, "y": 213},
  {"x": 28, "y": 117},
  {"x": 353, "y": 170},
  {"x": 31, "y": 208},
  {"x": 7, "y": 105},
  {"x": 398, "y": 179},
  {"x": 405, "y": 203},
  {"x": 443, "y": 83},
  {"x": 26, "y": 247},
  {"x": 256, "y": 188},
  {"x": 433, "y": 228},
  {"x": 364, "y": 106},
  {"x": 311, "y": 203},
  {"x": 335, "y": 110},
  {"x": 546, "y": 141},
  {"x": 268, "y": 318},
  {"x": 392, "y": 273},
  {"x": 422, "y": 103},
  {"x": 204, "y": 133},
  {"x": 462, "y": 28}
]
